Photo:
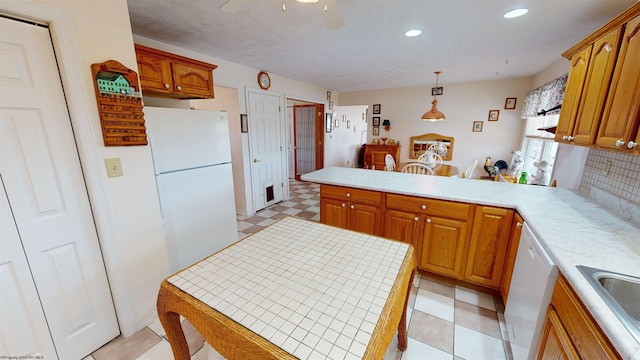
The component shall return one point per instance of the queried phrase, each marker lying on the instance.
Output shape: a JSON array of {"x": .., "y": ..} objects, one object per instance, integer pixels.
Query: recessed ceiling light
[
  {"x": 515, "y": 13},
  {"x": 412, "y": 33}
]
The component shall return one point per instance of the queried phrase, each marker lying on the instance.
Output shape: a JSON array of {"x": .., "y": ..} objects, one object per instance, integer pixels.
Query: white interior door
[
  {"x": 265, "y": 149},
  {"x": 291, "y": 158},
  {"x": 23, "y": 327},
  {"x": 43, "y": 180}
]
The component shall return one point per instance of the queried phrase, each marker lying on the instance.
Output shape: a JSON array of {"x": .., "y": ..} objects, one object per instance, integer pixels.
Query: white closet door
[
  {"x": 23, "y": 328},
  {"x": 43, "y": 180}
]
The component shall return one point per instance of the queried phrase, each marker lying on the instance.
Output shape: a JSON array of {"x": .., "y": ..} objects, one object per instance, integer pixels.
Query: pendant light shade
[{"x": 434, "y": 114}]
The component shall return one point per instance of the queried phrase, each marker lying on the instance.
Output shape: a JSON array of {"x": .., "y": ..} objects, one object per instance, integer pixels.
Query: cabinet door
[
  {"x": 364, "y": 218},
  {"x": 622, "y": 111},
  {"x": 572, "y": 94},
  {"x": 555, "y": 343},
  {"x": 510, "y": 258},
  {"x": 155, "y": 72},
  {"x": 603, "y": 59},
  {"x": 333, "y": 212},
  {"x": 443, "y": 246},
  {"x": 404, "y": 226},
  {"x": 192, "y": 80},
  {"x": 488, "y": 245}
]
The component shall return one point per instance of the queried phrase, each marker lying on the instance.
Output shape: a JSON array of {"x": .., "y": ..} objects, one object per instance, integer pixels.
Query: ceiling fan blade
[
  {"x": 332, "y": 18},
  {"x": 234, "y": 6}
]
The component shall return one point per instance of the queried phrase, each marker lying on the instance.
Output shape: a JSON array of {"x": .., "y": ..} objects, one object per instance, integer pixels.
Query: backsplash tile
[{"x": 623, "y": 179}]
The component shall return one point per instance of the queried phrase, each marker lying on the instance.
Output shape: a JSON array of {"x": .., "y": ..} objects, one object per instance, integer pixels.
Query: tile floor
[{"x": 445, "y": 321}]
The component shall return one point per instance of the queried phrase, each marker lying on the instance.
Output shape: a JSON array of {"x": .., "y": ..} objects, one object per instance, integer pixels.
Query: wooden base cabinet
[
  {"x": 488, "y": 246},
  {"x": 352, "y": 209},
  {"x": 510, "y": 257},
  {"x": 569, "y": 331},
  {"x": 437, "y": 229}
]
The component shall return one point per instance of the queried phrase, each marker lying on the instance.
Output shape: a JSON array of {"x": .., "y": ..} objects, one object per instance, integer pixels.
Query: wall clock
[{"x": 264, "y": 80}]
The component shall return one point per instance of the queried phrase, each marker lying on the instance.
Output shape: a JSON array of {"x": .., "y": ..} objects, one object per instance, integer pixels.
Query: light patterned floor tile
[
  {"x": 157, "y": 328},
  {"x": 161, "y": 351},
  {"x": 470, "y": 344},
  {"x": 434, "y": 304},
  {"x": 417, "y": 350},
  {"x": 475, "y": 297}
]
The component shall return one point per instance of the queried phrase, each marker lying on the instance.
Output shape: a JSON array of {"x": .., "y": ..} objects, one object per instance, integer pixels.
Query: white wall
[
  {"x": 342, "y": 145},
  {"x": 462, "y": 104},
  {"x": 241, "y": 78}
]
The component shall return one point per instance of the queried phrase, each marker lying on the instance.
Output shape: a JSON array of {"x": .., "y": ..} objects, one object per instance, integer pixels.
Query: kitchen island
[{"x": 573, "y": 229}]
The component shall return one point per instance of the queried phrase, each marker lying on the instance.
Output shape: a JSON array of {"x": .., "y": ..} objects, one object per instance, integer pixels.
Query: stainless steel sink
[{"x": 620, "y": 292}]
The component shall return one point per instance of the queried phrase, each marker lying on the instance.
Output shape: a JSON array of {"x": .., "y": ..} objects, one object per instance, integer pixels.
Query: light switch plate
[{"x": 114, "y": 168}]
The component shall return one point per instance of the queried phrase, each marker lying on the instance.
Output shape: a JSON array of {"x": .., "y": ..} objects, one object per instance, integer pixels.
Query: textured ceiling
[{"x": 468, "y": 40}]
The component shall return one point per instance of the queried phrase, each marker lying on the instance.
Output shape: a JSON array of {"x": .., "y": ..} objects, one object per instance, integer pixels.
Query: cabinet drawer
[
  {"x": 587, "y": 337},
  {"x": 417, "y": 205},
  {"x": 351, "y": 194}
]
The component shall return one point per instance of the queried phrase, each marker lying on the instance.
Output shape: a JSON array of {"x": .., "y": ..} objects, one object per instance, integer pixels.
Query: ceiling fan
[{"x": 330, "y": 13}]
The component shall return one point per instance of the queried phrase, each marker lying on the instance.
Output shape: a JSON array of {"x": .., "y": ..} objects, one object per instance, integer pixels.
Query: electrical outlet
[
  {"x": 606, "y": 168},
  {"x": 114, "y": 168}
]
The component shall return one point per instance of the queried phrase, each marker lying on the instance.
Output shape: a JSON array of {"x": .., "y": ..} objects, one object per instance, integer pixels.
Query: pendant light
[{"x": 434, "y": 114}]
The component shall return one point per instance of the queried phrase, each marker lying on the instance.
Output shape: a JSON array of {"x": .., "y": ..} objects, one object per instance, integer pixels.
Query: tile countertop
[{"x": 573, "y": 229}]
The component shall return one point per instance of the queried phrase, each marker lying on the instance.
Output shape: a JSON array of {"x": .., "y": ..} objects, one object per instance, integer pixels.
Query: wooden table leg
[
  {"x": 171, "y": 323},
  {"x": 402, "y": 327}
]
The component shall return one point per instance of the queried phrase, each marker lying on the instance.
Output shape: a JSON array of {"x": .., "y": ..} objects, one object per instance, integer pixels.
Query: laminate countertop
[{"x": 572, "y": 228}]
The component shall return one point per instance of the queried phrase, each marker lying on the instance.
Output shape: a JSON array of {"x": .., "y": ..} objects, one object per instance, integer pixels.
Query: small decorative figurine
[
  {"x": 490, "y": 169},
  {"x": 516, "y": 163},
  {"x": 542, "y": 175}
]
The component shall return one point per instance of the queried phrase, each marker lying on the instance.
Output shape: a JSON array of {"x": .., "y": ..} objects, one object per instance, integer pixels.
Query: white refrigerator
[{"x": 192, "y": 160}]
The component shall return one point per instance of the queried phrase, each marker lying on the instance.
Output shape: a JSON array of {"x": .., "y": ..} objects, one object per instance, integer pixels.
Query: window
[{"x": 539, "y": 144}]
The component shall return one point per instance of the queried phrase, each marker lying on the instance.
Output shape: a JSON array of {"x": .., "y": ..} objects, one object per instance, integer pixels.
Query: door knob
[{"x": 256, "y": 160}]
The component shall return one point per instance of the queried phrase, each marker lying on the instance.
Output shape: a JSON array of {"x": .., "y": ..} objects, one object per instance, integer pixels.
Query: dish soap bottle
[{"x": 523, "y": 178}]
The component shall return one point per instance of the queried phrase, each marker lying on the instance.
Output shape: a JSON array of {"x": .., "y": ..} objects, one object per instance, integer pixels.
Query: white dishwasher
[{"x": 532, "y": 283}]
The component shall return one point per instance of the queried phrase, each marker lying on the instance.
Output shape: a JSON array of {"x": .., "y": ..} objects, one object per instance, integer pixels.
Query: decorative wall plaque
[{"x": 119, "y": 104}]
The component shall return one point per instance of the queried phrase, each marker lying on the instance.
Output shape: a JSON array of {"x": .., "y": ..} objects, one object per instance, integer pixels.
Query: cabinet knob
[
  {"x": 166, "y": 86},
  {"x": 353, "y": 206},
  {"x": 519, "y": 224},
  {"x": 429, "y": 220},
  {"x": 607, "y": 48},
  {"x": 343, "y": 205},
  {"x": 415, "y": 218},
  {"x": 619, "y": 143},
  {"x": 179, "y": 88},
  {"x": 348, "y": 194},
  {"x": 423, "y": 207},
  {"x": 570, "y": 138},
  {"x": 631, "y": 144}
]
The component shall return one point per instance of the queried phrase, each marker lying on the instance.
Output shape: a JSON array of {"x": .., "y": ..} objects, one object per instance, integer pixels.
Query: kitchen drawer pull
[
  {"x": 619, "y": 143},
  {"x": 429, "y": 220},
  {"x": 348, "y": 194},
  {"x": 423, "y": 207},
  {"x": 166, "y": 86},
  {"x": 631, "y": 144},
  {"x": 179, "y": 88},
  {"x": 519, "y": 224},
  {"x": 416, "y": 218},
  {"x": 353, "y": 206},
  {"x": 343, "y": 205}
]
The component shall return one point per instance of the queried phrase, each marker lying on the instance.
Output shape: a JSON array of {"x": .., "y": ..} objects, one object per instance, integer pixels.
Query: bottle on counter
[{"x": 523, "y": 178}]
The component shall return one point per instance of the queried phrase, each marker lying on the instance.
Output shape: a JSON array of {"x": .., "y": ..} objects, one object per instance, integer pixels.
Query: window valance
[{"x": 545, "y": 97}]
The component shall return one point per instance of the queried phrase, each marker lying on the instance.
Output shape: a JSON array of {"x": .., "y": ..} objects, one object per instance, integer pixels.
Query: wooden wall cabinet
[
  {"x": 510, "y": 257},
  {"x": 168, "y": 75},
  {"x": 488, "y": 245},
  {"x": 437, "y": 229},
  {"x": 575, "y": 334},
  {"x": 621, "y": 120},
  {"x": 379, "y": 163},
  {"x": 600, "y": 106},
  {"x": 352, "y": 209}
]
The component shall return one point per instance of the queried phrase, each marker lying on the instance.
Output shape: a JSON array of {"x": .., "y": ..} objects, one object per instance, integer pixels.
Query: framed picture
[
  {"x": 376, "y": 121},
  {"x": 376, "y": 131},
  {"x": 376, "y": 108},
  {"x": 348, "y": 124},
  {"x": 244, "y": 124},
  {"x": 328, "y": 123},
  {"x": 493, "y": 115},
  {"x": 436, "y": 91},
  {"x": 328, "y": 95},
  {"x": 477, "y": 126},
  {"x": 510, "y": 103}
]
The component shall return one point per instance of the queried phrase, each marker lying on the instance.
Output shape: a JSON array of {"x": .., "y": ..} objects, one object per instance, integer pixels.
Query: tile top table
[{"x": 295, "y": 290}]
